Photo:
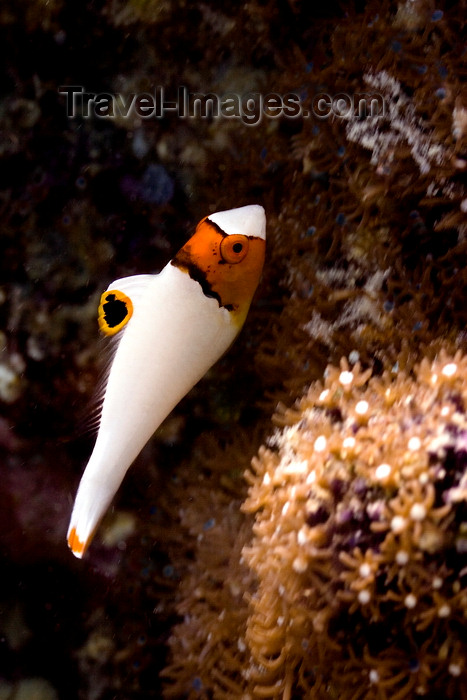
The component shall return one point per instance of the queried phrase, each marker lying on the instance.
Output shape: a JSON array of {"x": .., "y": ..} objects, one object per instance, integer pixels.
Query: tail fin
[
  {"x": 92, "y": 500},
  {"x": 76, "y": 545}
]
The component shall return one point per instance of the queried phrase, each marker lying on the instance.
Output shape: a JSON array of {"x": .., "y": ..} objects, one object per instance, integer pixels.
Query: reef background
[{"x": 366, "y": 260}]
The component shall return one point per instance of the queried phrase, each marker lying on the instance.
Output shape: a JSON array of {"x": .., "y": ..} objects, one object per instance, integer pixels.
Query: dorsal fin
[
  {"x": 117, "y": 302},
  {"x": 131, "y": 288}
]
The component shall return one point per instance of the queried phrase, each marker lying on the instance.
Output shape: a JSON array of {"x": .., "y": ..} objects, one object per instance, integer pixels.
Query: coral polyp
[{"x": 359, "y": 539}]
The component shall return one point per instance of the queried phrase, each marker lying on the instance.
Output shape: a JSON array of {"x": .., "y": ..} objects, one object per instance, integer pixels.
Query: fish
[{"x": 169, "y": 329}]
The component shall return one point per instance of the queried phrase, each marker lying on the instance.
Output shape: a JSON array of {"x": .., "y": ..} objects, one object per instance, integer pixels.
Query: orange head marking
[{"x": 227, "y": 265}]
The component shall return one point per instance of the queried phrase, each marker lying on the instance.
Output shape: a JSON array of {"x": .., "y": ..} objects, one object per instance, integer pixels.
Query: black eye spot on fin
[{"x": 115, "y": 310}]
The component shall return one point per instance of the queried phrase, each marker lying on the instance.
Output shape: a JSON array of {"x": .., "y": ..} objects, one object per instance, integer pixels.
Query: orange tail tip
[{"x": 77, "y": 547}]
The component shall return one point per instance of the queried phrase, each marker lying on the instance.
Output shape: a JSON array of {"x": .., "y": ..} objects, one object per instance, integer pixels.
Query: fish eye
[{"x": 234, "y": 248}]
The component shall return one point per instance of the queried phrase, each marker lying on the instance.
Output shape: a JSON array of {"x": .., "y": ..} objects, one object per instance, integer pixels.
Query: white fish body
[{"x": 175, "y": 334}]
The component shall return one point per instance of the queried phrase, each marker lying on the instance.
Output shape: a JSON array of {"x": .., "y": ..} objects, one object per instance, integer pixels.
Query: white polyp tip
[
  {"x": 398, "y": 523},
  {"x": 418, "y": 511},
  {"x": 449, "y": 370},
  {"x": 346, "y": 378},
  {"x": 402, "y": 557},
  {"x": 362, "y": 407},
  {"x": 382, "y": 471},
  {"x": 364, "y": 597},
  {"x": 320, "y": 443},
  {"x": 444, "y": 611},
  {"x": 414, "y": 444},
  {"x": 364, "y": 570},
  {"x": 454, "y": 669}
]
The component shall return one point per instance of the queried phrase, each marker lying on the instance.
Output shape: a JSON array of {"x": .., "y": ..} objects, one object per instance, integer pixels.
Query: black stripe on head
[
  {"x": 185, "y": 263},
  {"x": 216, "y": 227},
  {"x": 224, "y": 234}
]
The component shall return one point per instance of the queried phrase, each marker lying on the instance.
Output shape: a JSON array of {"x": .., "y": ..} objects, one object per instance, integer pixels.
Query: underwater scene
[{"x": 233, "y": 350}]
